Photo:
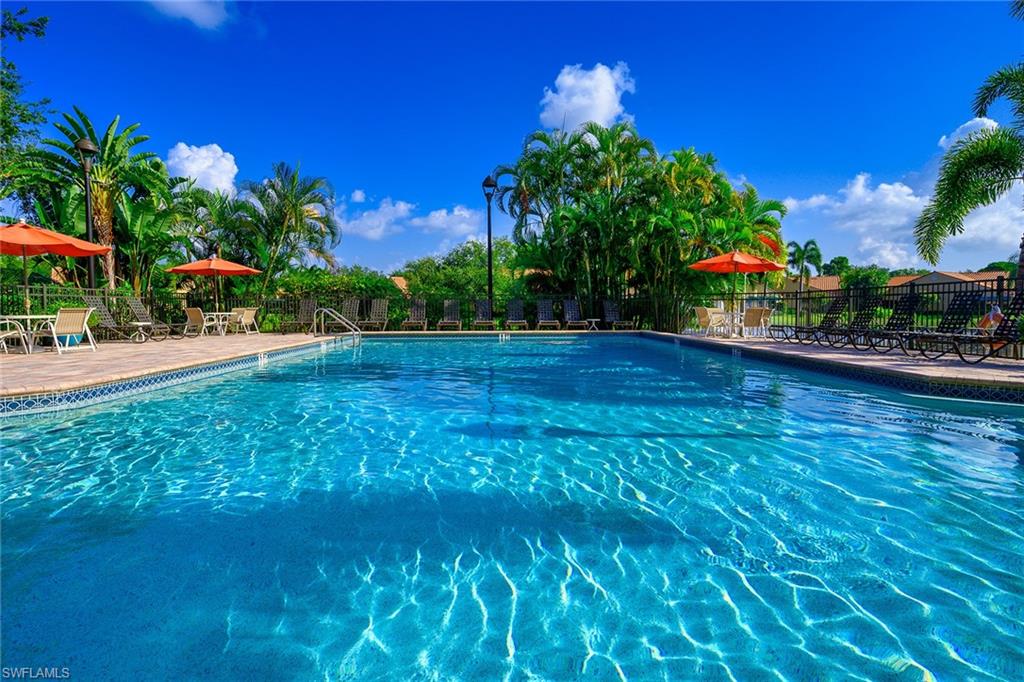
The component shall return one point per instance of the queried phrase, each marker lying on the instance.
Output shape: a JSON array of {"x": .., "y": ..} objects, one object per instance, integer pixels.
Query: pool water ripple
[{"x": 605, "y": 508}]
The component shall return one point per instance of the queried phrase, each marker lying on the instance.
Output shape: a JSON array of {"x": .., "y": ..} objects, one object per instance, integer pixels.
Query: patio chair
[
  {"x": 571, "y": 311},
  {"x": 1005, "y": 332},
  {"x": 304, "y": 320},
  {"x": 350, "y": 309},
  {"x": 483, "y": 319},
  {"x": 711, "y": 320},
  {"x": 452, "y": 316},
  {"x": 196, "y": 323},
  {"x": 124, "y": 332},
  {"x": 417, "y": 315},
  {"x": 514, "y": 316},
  {"x": 809, "y": 334},
  {"x": 958, "y": 315},
  {"x": 158, "y": 330},
  {"x": 378, "y": 319},
  {"x": 756, "y": 320},
  {"x": 10, "y": 330},
  {"x": 546, "y": 315},
  {"x": 859, "y": 325},
  {"x": 245, "y": 321},
  {"x": 611, "y": 316},
  {"x": 68, "y": 329}
]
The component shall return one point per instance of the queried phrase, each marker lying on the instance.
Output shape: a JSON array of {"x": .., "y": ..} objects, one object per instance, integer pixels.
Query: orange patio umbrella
[
  {"x": 216, "y": 267},
  {"x": 735, "y": 262},
  {"x": 21, "y": 239}
]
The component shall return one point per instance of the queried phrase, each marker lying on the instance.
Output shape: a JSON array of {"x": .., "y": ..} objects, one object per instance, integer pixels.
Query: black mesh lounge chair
[
  {"x": 860, "y": 324},
  {"x": 378, "y": 319},
  {"x": 934, "y": 346},
  {"x": 571, "y": 310},
  {"x": 546, "y": 315},
  {"x": 124, "y": 332},
  {"x": 514, "y": 316},
  {"x": 350, "y": 311},
  {"x": 452, "y": 316},
  {"x": 159, "y": 330},
  {"x": 484, "y": 319},
  {"x": 417, "y": 315},
  {"x": 611, "y": 316},
  {"x": 958, "y": 314},
  {"x": 304, "y": 320},
  {"x": 901, "y": 320},
  {"x": 806, "y": 335}
]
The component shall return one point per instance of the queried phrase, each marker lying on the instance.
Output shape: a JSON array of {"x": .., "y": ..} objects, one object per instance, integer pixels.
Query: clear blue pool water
[{"x": 604, "y": 508}]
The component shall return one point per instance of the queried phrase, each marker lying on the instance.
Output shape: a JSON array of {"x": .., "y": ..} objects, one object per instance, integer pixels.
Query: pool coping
[{"x": 65, "y": 398}]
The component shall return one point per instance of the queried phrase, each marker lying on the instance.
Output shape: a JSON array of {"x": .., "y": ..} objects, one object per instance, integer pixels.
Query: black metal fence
[{"x": 789, "y": 307}]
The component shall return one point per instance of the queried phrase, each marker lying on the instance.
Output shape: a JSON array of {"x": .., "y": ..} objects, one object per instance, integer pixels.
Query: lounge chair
[
  {"x": 417, "y": 315},
  {"x": 1005, "y": 332},
  {"x": 514, "y": 316},
  {"x": 546, "y": 315},
  {"x": 712, "y": 319},
  {"x": 305, "y": 319},
  {"x": 68, "y": 329},
  {"x": 244, "y": 322},
  {"x": 901, "y": 320},
  {"x": 957, "y": 316},
  {"x": 756, "y": 321},
  {"x": 125, "y": 332},
  {"x": 10, "y": 330},
  {"x": 350, "y": 309},
  {"x": 158, "y": 330},
  {"x": 571, "y": 310},
  {"x": 484, "y": 319},
  {"x": 378, "y": 319},
  {"x": 611, "y": 316},
  {"x": 452, "y": 316},
  {"x": 859, "y": 325},
  {"x": 809, "y": 334},
  {"x": 196, "y": 323}
]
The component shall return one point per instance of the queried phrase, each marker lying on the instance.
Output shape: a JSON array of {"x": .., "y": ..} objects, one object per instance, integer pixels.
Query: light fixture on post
[
  {"x": 87, "y": 149},
  {"x": 489, "y": 187}
]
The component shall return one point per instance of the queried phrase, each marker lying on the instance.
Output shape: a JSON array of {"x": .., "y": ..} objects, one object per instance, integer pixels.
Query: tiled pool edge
[
  {"x": 891, "y": 379},
  {"x": 55, "y": 401}
]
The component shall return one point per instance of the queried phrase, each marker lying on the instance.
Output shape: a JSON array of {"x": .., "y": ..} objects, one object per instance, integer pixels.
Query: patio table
[
  {"x": 592, "y": 323},
  {"x": 27, "y": 320},
  {"x": 221, "y": 320}
]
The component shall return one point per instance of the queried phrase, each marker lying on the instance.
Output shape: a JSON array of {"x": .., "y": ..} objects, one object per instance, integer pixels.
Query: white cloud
[
  {"x": 207, "y": 14},
  {"x": 582, "y": 95},
  {"x": 997, "y": 226},
  {"x": 358, "y": 196},
  {"x": 886, "y": 253},
  {"x": 459, "y": 222},
  {"x": 376, "y": 223},
  {"x": 211, "y": 166},
  {"x": 974, "y": 125}
]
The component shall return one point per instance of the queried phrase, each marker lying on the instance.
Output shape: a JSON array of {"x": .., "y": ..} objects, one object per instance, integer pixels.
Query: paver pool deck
[{"x": 45, "y": 371}]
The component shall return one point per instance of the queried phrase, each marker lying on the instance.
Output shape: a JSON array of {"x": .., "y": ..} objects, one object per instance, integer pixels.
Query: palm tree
[
  {"x": 801, "y": 258},
  {"x": 292, "y": 218},
  {"x": 119, "y": 170},
  {"x": 980, "y": 168}
]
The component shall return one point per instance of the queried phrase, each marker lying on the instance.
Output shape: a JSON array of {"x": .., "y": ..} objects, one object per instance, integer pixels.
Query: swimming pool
[{"x": 596, "y": 507}]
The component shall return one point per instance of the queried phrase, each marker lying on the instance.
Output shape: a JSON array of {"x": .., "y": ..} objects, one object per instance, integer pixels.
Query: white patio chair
[
  {"x": 70, "y": 323},
  {"x": 10, "y": 330}
]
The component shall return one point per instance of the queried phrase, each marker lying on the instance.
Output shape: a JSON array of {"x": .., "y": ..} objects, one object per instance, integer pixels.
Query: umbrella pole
[{"x": 24, "y": 278}]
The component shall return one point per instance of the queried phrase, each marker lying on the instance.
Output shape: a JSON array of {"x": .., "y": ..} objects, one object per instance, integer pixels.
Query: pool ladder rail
[{"x": 320, "y": 324}]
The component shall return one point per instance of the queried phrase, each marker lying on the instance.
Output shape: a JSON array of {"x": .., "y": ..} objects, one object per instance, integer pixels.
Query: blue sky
[{"x": 842, "y": 109}]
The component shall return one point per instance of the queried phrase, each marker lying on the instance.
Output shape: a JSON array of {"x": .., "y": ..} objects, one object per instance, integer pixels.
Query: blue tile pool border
[
  {"x": 940, "y": 388},
  {"x": 54, "y": 401}
]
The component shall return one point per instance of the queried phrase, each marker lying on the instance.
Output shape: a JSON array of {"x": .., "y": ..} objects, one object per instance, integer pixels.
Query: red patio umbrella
[
  {"x": 21, "y": 239},
  {"x": 735, "y": 262},
  {"x": 216, "y": 267}
]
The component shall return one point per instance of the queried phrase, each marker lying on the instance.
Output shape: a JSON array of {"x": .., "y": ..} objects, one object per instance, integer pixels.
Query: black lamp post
[
  {"x": 490, "y": 185},
  {"x": 86, "y": 151}
]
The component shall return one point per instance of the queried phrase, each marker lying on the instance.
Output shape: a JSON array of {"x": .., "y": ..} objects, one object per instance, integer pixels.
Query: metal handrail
[{"x": 320, "y": 323}]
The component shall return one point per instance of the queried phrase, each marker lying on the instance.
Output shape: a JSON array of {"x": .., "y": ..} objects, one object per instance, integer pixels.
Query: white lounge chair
[{"x": 70, "y": 324}]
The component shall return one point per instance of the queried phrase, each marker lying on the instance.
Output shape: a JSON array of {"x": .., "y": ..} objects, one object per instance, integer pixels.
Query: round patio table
[
  {"x": 592, "y": 323},
  {"x": 27, "y": 319}
]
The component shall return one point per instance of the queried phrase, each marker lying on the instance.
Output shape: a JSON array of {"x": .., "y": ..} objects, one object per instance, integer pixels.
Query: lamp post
[
  {"x": 86, "y": 151},
  {"x": 489, "y": 186}
]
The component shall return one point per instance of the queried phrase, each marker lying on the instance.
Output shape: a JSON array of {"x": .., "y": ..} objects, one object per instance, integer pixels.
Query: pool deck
[
  {"x": 46, "y": 372},
  {"x": 993, "y": 372}
]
